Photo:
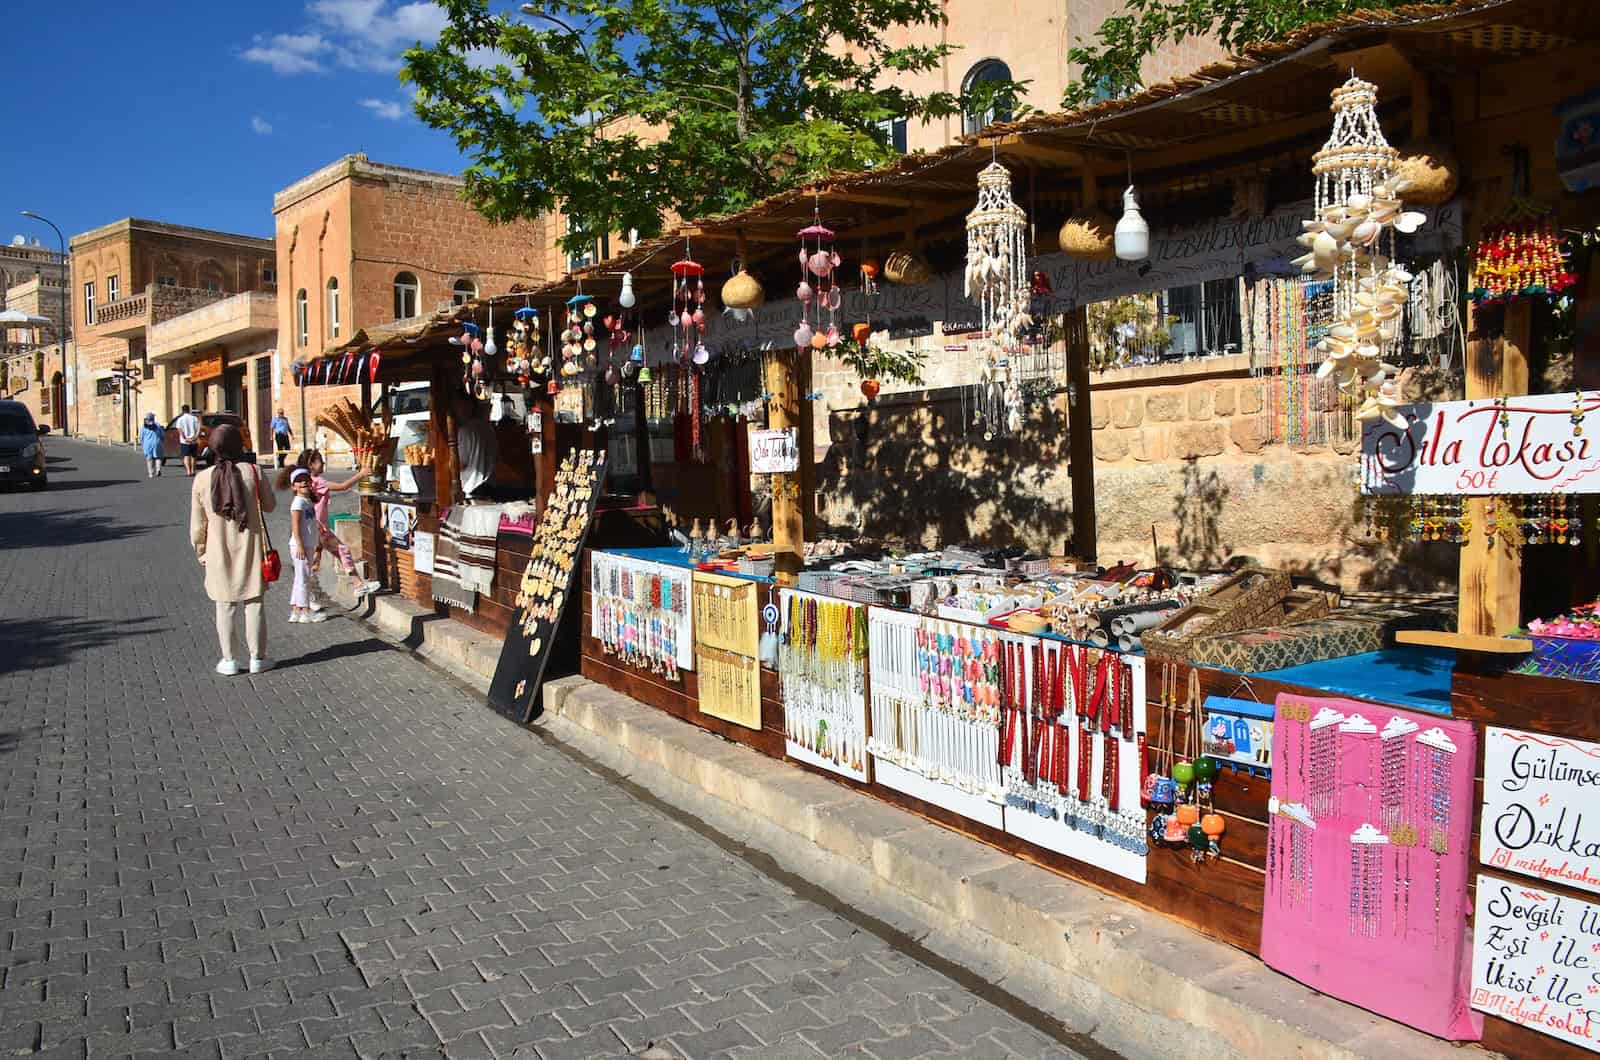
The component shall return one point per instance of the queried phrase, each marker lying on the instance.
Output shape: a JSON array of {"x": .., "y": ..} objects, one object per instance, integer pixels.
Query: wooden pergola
[{"x": 1254, "y": 118}]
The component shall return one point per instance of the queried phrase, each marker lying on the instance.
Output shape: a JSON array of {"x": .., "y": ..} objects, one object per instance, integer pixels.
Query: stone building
[
  {"x": 130, "y": 276},
  {"x": 361, "y": 244},
  {"x": 33, "y": 280}
]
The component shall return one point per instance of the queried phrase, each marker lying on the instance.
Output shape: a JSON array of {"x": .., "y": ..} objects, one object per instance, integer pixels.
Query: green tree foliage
[
  {"x": 618, "y": 111},
  {"x": 1110, "y": 66}
]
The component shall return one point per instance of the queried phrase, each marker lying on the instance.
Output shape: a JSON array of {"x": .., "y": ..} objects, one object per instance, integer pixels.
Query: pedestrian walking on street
[
  {"x": 303, "y": 541},
  {"x": 227, "y": 524},
  {"x": 282, "y": 436},
  {"x": 151, "y": 439},
  {"x": 188, "y": 427}
]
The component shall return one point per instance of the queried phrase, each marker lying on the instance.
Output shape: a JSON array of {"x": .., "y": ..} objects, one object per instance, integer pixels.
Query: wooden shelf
[{"x": 1432, "y": 638}]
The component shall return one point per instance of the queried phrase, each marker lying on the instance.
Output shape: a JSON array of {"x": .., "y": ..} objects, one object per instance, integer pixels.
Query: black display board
[{"x": 549, "y": 596}]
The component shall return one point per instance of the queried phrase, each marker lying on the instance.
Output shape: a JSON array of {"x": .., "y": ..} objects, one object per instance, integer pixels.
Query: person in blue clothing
[
  {"x": 151, "y": 439},
  {"x": 282, "y": 436}
]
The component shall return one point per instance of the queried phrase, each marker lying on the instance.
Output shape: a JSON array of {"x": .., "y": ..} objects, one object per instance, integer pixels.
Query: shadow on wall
[
  {"x": 33, "y": 643},
  {"x": 918, "y": 473}
]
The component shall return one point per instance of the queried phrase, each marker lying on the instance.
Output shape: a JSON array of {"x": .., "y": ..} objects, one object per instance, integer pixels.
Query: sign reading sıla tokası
[
  {"x": 1549, "y": 443},
  {"x": 1536, "y": 960},
  {"x": 1541, "y": 808}
]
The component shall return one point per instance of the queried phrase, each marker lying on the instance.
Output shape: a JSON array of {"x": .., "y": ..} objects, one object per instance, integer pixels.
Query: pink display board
[{"x": 1371, "y": 817}]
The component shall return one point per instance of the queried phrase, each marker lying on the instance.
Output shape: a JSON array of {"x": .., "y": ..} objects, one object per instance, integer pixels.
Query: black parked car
[{"x": 21, "y": 446}]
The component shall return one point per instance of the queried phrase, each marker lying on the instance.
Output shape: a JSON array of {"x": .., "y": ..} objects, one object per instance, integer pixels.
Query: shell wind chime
[
  {"x": 473, "y": 370},
  {"x": 526, "y": 359},
  {"x": 687, "y": 319},
  {"x": 577, "y": 341},
  {"x": 1351, "y": 240},
  {"x": 818, "y": 290},
  {"x": 997, "y": 279}
]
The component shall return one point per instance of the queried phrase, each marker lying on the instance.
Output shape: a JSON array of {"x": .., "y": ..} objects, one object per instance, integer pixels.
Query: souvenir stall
[{"x": 1376, "y": 796}]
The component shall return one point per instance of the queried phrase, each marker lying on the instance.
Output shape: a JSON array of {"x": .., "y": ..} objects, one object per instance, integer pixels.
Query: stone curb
[{"x": 1141, "y": 984}]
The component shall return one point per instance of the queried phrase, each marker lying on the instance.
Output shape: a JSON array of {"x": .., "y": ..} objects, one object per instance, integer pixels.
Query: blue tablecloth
[
  {"x": 1413, "y": 677},
  {"x": 670, "y": 556}
]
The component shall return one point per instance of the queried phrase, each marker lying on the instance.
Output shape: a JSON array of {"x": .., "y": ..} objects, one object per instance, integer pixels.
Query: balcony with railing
[{"x": 127, "y": 318}]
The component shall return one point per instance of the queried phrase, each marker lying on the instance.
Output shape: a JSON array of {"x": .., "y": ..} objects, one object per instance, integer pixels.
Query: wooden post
[
  {"x": 788, "y": 518},
  {"x": 443, "y": 442},
  {"x": 1491, "y": 576},
  {"x": 1080, "y": 434}
]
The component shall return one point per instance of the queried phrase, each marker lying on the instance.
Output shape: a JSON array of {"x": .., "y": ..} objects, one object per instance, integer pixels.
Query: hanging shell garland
[
  {"x": 997, "y": 278},
  {"x": 1351, "y": 240}
]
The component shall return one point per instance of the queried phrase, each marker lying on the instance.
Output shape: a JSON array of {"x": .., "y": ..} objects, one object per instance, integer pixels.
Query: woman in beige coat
[{"x": 225, "y": 524}]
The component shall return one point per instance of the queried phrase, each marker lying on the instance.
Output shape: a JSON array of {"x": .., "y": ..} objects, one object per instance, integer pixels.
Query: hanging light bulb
[
  {"x": 1133, "y": 234},
  {"x": 626, "y": 299}
]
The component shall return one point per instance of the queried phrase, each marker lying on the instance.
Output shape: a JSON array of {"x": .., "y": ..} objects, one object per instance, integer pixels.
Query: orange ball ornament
[
  {"x": 1188, "y": 814},
  {"x": 1213, "y": 825},
  {"x": 870, "y": 387},
  {"x": 861, "y": 333}
]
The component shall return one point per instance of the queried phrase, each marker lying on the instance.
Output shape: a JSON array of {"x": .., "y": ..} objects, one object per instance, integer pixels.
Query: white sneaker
[
  {"x": 368, "y": 588},
  {"x": 257, "y": 665},
  {"x": 316, "y": 617},
  {"x": 227, "y": 667},
  {"x": 317, "y": 604}
]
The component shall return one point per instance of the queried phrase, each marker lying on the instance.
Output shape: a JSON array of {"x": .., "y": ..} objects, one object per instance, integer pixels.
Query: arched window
[
  {"x": 463, "y": 292},
  {"x": 302, "y": 322},
  {"x": 333, "y": 307},
  {"x": 988, "y": 70},
  {"x": 211, "y": 277},
  {"x": 407, "y": 295}
]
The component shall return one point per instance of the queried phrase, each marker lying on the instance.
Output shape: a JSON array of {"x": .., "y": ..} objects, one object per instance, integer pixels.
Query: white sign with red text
[
  {"x": 1548, "y": 443},
  {"x": 774, "y": 452},
  {"x": 1536, "y": 960}
]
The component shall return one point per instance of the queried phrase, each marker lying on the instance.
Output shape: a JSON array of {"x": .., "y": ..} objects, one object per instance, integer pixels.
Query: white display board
[
  {"x": 422, "y": 552},
  {"x": 775, "y": 451},
  {"x": 824, "y": 706},
  {"x": 1536, "y": 960},
  {"x": 1527, "y": 444},
  {"x": 1541, "y": 807}
]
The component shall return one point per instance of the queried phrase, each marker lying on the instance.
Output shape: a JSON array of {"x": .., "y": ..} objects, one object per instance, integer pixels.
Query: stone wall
[{"x": 1183, "y": 455}]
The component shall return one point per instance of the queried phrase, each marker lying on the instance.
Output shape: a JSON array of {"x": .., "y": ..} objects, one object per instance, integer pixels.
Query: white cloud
[
  {"x": 261, "y": 125},
  {"x": 386, "y": 109},
  {"x": 288, "y": 53},
  {"x": 357, "y": 34}
]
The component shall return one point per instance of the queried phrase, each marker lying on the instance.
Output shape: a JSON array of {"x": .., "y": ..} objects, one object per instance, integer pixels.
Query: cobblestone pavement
[{"x": 351, "y": 855}]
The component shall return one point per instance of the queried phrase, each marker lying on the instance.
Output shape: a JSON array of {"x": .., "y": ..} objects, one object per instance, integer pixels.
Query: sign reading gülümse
[{"x": 1548, "y": 443}]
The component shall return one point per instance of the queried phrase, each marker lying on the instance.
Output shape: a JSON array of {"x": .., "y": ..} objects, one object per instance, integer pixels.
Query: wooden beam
[
  {"x": 1080, "y": 434},
  {"x": 869, "y": 197},
  {"x": 752, "y": 235},
  {"x": 788, "y": 519},
  {"x": 1020, "y": 146},
  {"x": 1437, "y": 638},
  {"x": 1491, "y": 576}
]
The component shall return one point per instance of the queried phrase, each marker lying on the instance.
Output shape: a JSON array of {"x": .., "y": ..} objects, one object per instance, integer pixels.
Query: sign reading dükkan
[{"x": 1548, "y": 443}]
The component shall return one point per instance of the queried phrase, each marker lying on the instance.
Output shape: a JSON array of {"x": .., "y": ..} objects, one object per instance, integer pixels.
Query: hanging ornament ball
[
  {"x": 869, "y": 388},
  {"x": 1174, "y": 833},
  {"x": 1197, "y": 838},
  {"x": 1089, "y": 236},
  {"x": 1432, "y": 169},
  {"x": 743, "y": 291},
  {"x": 1183, "y": 773},
  {"x": 803, "y": 335},
  {"x": 861, "y": 333},
  {"x": 1205, "y": 769},
  {"x": 1188, "y": 814},
  {"x": 1213, "y": 825},
  {"x": 819, "y": 341},
  {"x": 869, "y": 268}
]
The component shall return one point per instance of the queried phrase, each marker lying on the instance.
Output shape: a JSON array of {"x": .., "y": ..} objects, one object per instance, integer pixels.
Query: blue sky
[{"x": 196, "y": 113}]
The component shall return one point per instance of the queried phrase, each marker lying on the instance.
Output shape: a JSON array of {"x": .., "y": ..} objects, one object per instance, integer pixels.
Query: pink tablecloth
[{"x": 1367, "y": 859}]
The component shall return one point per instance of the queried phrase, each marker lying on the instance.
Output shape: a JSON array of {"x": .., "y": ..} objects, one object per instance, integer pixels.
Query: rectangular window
[
  {"x": 166, "y": 281},
  {"x": 894, "y": 130},
  {"x": 301, "y": 325},
  {"x": 269, "y": 276},
  {"x": 405, "y": 301},
  {"x": 1203, "y": 319},
  {"x": 333, "y": 312},
  {"x": 88, "y": 303},
  {"x": 213, "y": 287},
  {"x": 111, "y": 288}
]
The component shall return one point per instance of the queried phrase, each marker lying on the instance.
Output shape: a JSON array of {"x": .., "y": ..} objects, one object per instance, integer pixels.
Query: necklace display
[
  {"x": 639, "y": 612},
  {"x": 556, "y": 540},
  {"x": 727, "y": 638},
  {"x": 822, "y": 668}
]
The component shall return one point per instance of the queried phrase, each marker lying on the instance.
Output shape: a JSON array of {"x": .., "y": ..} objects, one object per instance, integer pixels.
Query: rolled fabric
[
  {"x": 1129, "y": 644},
  {"x": 1099, "y": 638},
  {"x": 1140, "y": 621}
]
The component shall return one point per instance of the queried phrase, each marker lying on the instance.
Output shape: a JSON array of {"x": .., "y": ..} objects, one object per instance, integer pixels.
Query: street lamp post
[{"x": 66, "y": 313}]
